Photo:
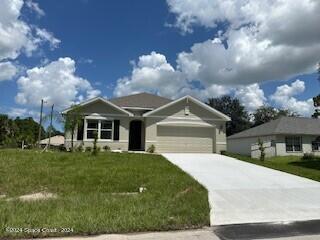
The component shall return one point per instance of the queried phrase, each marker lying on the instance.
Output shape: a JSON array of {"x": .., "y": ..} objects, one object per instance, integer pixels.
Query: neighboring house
[
  {"x": 54, "y": 141},
  {"x": 281, "y": 137},
  {"x": 138, "y": 121}
]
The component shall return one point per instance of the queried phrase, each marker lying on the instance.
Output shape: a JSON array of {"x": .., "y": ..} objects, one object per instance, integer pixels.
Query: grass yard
[
  {"x": 290, "y": 164},
  {"x": 87, "y": 188}
]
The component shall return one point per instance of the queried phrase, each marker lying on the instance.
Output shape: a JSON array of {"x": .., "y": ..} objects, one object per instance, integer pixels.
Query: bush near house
[{"x": 98, "y": 194}]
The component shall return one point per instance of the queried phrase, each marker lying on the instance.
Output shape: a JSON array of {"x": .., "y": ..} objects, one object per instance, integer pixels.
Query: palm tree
[{"x": 72, "y": 120}]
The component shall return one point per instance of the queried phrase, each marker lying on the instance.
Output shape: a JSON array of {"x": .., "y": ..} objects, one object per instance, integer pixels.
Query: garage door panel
[{"x": 185, "y": 139}]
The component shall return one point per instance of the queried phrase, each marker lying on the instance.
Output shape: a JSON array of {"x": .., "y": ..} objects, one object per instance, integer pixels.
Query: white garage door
[{"x": 185, "y": 139}]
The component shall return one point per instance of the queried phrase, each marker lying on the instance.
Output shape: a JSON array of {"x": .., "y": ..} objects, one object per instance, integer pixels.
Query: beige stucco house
[
  {"x": 281, "y": 137},
  {"x": 138, "y": 121}
]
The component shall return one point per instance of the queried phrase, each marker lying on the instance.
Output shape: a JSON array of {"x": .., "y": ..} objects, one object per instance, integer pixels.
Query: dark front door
[{"x": 135, "y": 135}]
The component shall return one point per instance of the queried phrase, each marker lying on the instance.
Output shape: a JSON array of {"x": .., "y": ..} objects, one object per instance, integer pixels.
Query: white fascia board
[
  {"x": 196, "y": 101},
  {"x": 103, "y": 100}
]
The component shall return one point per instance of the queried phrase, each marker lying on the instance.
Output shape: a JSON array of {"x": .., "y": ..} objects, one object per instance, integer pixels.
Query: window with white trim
[
  {"x": 103, "y": 129},
  {"x": 106, "y": 129},
  {"x": 92, "y": 128},
  {"x": 293, "y": 144},
  {"x": 316, "y": 145}
]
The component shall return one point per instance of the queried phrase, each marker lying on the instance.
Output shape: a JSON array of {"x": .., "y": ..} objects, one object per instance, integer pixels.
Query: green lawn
[
  {"x": 86, "y": 187},
  {"x": 290, "y": 164}
]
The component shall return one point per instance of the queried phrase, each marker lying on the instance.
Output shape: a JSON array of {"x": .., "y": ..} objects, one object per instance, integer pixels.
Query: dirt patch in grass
[{"x": 97, "y": 195}]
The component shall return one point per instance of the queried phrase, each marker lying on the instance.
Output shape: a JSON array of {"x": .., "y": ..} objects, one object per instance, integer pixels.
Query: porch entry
[{"x": 136, "y": 135}]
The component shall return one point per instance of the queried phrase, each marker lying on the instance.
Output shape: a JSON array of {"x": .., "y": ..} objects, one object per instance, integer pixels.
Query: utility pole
[
  {"x": 50, "y": 128},
  {"x": 40, "y": 124}
]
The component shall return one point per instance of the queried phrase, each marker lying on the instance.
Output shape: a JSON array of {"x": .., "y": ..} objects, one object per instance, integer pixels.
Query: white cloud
[
  {"x": 45, "y": 36},
  {"x": 284, "y": 97},
  {"x": 206, "y": 13},
  {"x": 7, "y": 71},
  {"x": 17, "y": 36},
  {"x": 35, "y": 7},
  {"x": 264, "y": 40},
  {"x": 152, "y": 73},
  {"x": 251, "y": 96},
  {"x": 23, "y": 113},
  {"x": 56, "y": 83}
]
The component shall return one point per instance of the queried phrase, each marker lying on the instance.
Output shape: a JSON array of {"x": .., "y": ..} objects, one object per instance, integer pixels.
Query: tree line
[
  {"x": 14, "y": 132},
  {"x": 241, "y": 118}
]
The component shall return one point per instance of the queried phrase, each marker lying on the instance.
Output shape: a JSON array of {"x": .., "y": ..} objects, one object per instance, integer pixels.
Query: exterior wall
[
  {"x": 247, "y": 146},
  {"x": 197, "y": 114},
  {"x": 306, "y": 146},
  {"x": 220, "y": 137},
  {"x": 175, "y": 113},
  {"x": 270, "y": 150},
  {"x": 100, "y": 110},
  {"x": 243, "y": 145}
]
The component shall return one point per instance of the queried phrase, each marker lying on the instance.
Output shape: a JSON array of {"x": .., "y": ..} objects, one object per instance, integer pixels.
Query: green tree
[
  {"x": 316, "y": 99},
  {"x": 8, "y": 130},
  {"x": 28, "y": 130},
  {"x": 235, "y": 110},
  {"x": 265, "y": 114},
  {"x": 73, "y": 119}
]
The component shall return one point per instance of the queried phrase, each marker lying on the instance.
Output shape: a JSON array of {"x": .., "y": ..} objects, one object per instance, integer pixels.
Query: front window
[
  {"x": 106, "y": 130},
  {"x": 316, "y": 145},
  {"x": 92, "y": 128},
  {"x": 102, "y": 128},
  {"x": 293, "y": 144}
]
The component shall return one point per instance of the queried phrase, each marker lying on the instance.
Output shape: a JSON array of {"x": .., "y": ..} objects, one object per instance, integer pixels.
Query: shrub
[
  {"x": 80, "y": 148},
  {"x": 62, "y": 148},
  {"x": 310, "y": 156},
  {"x": 88, "y": 149},
  {"x": 223, "y": 152},
  {"x": 107, "y": 148},
  {"x": 151, "y": 149}
]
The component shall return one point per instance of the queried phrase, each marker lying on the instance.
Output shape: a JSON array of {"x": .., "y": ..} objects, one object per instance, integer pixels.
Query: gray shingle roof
[
  {"x": 283, "y": 125},
  {"x": 140, "y": 100}
]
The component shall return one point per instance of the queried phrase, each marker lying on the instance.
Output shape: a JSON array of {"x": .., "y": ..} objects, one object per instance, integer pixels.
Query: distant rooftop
[
  {"x": 283, "y": 125},
  {"x": 140, "y": 100}
]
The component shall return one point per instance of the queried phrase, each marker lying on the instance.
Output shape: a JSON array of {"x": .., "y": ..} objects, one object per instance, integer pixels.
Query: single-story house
[
  {"x": 138, "y": 121},
  {"x": 56, "y": 141},
  {"x": 281, "y": 137}
]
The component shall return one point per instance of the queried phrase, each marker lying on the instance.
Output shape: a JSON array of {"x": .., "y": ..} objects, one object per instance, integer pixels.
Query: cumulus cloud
[
  {"x": 251, "y": 96},
  {"x": 7, "y": 71},
  {"x": 284, "y": 97},
  {"x": 17, "y": 36},
  {"x": 152, "y": 73},
  {"x": 264, "y": 40},
  {"x": 56, "y": 83}
]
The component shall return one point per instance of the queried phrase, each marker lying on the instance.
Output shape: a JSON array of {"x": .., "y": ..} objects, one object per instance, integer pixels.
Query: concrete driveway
[{"x": 241, "y": 192}]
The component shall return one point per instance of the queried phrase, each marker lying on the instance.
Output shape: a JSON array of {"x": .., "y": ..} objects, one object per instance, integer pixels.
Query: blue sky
[{"x": 142, "y": 42}]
